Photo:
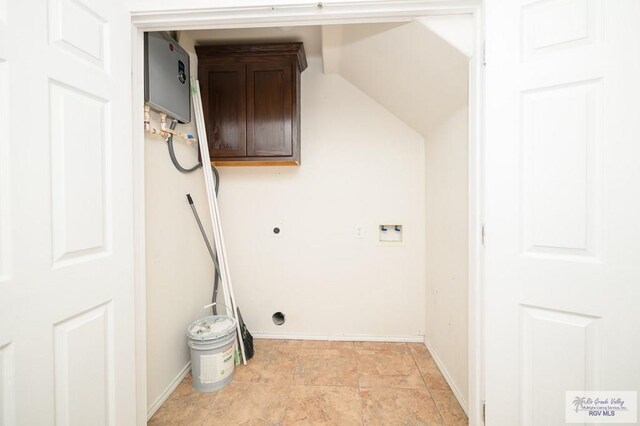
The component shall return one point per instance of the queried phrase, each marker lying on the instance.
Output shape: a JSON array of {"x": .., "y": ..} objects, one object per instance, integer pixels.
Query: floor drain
[{"x": 278, "y": 318}]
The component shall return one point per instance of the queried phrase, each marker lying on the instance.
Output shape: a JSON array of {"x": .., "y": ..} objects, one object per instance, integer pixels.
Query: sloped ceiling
[
  {"x": 406, "y": 67},
  {"x": 418, "y": 70},
  {"x": 457, "y": 30}
]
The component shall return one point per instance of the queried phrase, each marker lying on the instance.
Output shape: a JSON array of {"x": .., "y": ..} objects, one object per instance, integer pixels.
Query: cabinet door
[
  {"x": 223, "y": 88},
  {"x": 270, "y": 108}
]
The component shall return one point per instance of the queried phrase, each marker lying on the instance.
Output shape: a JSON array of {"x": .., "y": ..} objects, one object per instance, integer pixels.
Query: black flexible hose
[
  {"x": 215, "y": 173},
  {"x": 172, "y": 153},
  {"x": 178, "y": 166}
]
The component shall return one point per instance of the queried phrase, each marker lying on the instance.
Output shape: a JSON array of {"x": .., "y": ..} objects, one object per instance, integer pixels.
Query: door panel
[
  {"x": 223, "y": 89},
  {"x": 562, "y": 202},
  {"x": 81, "y": 216},
  {"x": 80, "y": 400},
  {"x": 561, "y": 126},
  {"x": 5, "y": 161},
  {"x": 560, "y": 351},
  {"x": 269, "y": 109},
  {"x": 66, "y": 240},
  {"x": 7, "y": 386},
  {"x": 7, "y": 346}
]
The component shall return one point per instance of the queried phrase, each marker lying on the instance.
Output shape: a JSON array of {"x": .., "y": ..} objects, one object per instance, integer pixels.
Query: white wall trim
[
  {"x": 476, "y": 394},
  {"x": 447, "y": 377},
  {"x": 139, "y": 212},
  {"x": 330, "y": 12},
  {"x": 168, "y": 391},
  {"x": 340, "y": 338}
]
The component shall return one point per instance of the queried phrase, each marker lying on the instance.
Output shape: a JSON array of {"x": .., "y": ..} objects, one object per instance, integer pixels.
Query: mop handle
[{"x": 204, "y": 235}]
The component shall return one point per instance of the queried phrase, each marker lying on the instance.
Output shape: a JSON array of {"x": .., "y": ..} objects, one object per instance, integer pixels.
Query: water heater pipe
[{"x": 164, "y": 132}]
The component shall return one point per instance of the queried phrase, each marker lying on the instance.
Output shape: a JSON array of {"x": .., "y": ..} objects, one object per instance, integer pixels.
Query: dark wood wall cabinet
[{"x": 251, "y": 102}]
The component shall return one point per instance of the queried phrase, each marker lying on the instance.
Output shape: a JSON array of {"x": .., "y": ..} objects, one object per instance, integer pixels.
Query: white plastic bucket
[{"x": 212, "y": 341}]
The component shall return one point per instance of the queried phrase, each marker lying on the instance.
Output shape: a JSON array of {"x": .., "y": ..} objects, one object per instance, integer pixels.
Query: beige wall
[
  {"x": 447, "y": 248},
  {"x": 405, "y": 67},
  {"x": 361, "y": 166},
  {"x": 425, "y": 83},
  {"x": 178, "y": 267}
]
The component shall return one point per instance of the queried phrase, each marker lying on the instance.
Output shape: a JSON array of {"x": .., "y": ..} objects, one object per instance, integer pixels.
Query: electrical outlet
[{"x": 359, "y": 232}]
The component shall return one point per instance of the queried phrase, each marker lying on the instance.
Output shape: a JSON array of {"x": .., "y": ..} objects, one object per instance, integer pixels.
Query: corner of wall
[
  {"x": 462, "y": 399},
  {"x": 155, "y": 405},
  {"x": 447, "y": 255}
]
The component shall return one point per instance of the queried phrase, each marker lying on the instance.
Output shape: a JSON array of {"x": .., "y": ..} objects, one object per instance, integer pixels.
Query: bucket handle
[{"x": 229, "y": 310}]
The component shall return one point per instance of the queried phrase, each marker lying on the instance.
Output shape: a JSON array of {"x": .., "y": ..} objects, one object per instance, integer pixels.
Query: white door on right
[{"x": 562, "y": 158}]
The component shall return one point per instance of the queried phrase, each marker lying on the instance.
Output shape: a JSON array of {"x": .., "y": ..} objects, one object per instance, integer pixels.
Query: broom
[{"x": 247, "y": 338}]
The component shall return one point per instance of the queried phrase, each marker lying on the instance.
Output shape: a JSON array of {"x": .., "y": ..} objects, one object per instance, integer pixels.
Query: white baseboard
[
  {"x": 168, "y": 391},
  {"x": 447, "y": 377},
  {"x": 341, "y": 337}
]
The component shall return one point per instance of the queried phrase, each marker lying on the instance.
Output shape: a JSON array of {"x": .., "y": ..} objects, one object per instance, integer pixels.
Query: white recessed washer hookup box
[
  {"x": 166, "y": 76},
  {"x": 390, "y": 234}
]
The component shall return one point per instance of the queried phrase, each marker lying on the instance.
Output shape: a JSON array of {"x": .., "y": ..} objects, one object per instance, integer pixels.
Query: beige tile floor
[{"x": 294, "y": 382}]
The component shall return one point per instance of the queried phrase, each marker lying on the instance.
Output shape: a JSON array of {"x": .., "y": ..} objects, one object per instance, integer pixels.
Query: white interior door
[
  {"x": 66, "y": 262},
  {"x": 562, "y": 204}
]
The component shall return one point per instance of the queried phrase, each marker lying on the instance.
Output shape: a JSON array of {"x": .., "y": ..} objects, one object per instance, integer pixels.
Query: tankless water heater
[{"x": 166, "y": 76}]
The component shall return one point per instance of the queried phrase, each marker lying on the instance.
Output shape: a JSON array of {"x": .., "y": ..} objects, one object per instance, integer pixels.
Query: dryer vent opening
[{"x": 278, "y": 318}]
